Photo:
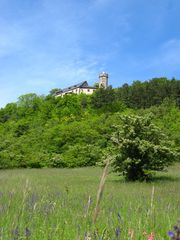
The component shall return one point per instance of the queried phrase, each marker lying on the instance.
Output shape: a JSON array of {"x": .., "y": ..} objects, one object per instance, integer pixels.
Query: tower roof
[{"x": 103, "y": 74}]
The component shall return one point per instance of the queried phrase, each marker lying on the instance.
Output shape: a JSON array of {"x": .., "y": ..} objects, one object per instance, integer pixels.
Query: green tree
[
  {"x": 149, "y": 93},
  {"x": 53, "y": 91},
  {"x": 9, "y": 112},
  {"x": 140, "y": 148},
  {"x": 105, "y": 100},
  {"x": 96, "y": 85}
]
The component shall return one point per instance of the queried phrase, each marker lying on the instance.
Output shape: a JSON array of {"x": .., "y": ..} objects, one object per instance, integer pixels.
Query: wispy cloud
[
  {"x": 46, "y": 44},
  {"x": 64, "y": 73}
]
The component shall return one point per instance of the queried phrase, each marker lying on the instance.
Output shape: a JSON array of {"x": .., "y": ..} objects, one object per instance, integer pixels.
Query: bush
[
  {"x": 81, "y": 155},
  {"x": 56, "y": 161},
  {"x": 140, "y": 148}
]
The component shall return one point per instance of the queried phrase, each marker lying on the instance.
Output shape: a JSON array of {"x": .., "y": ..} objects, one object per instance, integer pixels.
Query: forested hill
[
  {"x": 44, "y": 131},
  {"x": 149, "y": 93}
]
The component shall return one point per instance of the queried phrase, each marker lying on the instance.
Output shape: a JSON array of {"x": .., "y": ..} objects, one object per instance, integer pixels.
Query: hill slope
[{"x": 44, "y": 131}]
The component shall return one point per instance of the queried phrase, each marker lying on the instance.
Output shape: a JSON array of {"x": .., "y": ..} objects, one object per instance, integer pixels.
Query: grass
[{"x": 59, "y": 204}]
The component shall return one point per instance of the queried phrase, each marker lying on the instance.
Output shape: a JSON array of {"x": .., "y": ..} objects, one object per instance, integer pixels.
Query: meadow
[{"x": 59, "y": 204}]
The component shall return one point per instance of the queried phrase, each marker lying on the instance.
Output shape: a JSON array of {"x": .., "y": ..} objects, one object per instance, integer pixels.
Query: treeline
[
  {"x": 44, "y": 131},
  {"x": 149, "y": 93}
]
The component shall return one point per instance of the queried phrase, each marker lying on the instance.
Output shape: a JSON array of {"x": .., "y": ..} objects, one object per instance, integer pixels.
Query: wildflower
[
  {"x": 151, "y": 236},
  {"x": 15, "y": 233},
  {"x": 27, "y": 232},
  {"x": 118, "y": 232},
  {"x": 175, "y": 235},
  {"x": 170, "y": 234}
]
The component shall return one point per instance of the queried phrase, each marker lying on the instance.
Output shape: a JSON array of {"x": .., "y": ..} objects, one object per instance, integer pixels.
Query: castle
[{"x": 83, "y": 87}]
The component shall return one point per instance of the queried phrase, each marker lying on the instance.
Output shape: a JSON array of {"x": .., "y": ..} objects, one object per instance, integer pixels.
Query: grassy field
[{"x": 59, "y": 204}]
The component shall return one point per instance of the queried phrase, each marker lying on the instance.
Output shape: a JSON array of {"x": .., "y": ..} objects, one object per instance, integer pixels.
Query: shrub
[
  {"x": 56, "y": 161},
  {"x": 81, "y": 155},
  {"x": 140, "y": 148}
]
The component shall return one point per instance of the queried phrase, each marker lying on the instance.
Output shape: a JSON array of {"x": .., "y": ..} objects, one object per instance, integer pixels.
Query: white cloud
[{"x": 68, "y": 73}]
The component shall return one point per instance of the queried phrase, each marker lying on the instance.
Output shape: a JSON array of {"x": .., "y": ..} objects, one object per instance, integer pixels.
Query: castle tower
[{"x": 103, "y": 80}]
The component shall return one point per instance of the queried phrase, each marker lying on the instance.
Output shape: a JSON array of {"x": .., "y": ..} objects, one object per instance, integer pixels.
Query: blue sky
[{"x": 46, "y": 44}]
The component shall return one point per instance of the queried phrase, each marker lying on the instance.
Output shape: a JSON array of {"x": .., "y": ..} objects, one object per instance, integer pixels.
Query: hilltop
[{"x": 74, "y": 130}]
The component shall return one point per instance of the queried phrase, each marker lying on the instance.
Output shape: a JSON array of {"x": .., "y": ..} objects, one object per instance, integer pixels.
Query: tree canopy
[
  {"x": 75, "y": 130},
  {"x": 141, "y": 148}
]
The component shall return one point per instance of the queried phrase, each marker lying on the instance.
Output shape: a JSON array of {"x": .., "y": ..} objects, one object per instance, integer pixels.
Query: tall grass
[{"x": 59, "y": 204}]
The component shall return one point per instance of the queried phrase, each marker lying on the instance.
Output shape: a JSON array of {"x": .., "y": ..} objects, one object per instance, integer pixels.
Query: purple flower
[
  {"x": 15, "y": 233},
  {"x": 27, "y": 232},
  {"x": 170, "y": 234},
  {"x": 118, "y": 232},
  {"x": 175, "y": 235}
]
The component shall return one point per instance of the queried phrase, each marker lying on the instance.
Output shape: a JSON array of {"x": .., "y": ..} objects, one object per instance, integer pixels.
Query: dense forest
[{"x": 73, "y": 131}]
